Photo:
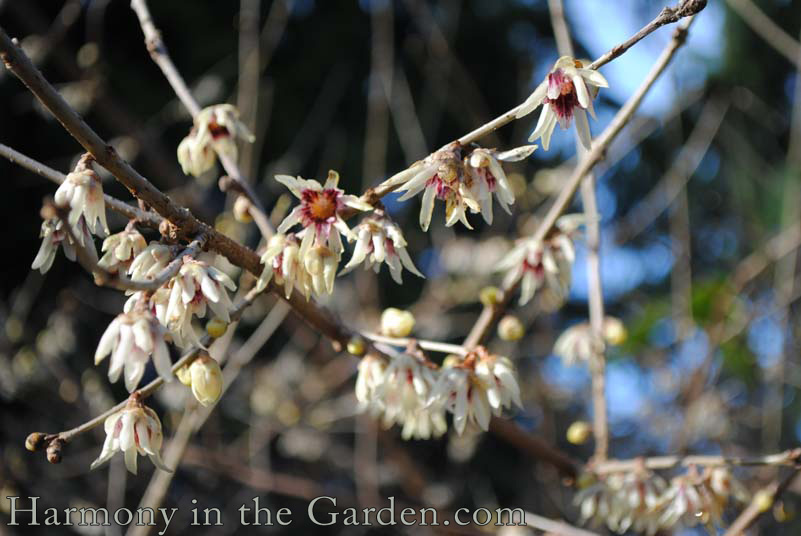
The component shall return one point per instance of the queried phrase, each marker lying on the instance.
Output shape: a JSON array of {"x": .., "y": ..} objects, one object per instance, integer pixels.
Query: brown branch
[{"x": 534, "y": 446}]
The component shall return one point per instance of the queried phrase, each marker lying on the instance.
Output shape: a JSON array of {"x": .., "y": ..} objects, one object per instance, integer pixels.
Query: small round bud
[
  {"x": 54, "y": 451},
  {"x": 614, "y": 331},
  {"x": 489, "y": 296},
  {"x": 396, "y": 323},
  {"x": 763, "y": 500},
  {"x": 35, "y": 441},
  {"x": 510, "y": 328},
  {"x": 356, "y": 346},
  {"x": 579, "y": 432},
  {"x": 206, "y": 378},
  {"x": 451, "y": 360},
  {"x": 242, "y": 209},
  {"x": 216, "y": 327}
]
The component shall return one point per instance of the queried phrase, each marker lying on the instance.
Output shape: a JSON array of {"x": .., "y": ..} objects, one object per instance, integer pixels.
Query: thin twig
[
  {"x": 788, "y": 457},
  {"x": 433, "y": 346},
  {"x": 754, "y": 509},
  {"x": 769, "y": 31}
]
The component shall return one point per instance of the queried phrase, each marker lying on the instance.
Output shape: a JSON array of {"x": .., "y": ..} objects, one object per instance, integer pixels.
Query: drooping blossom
[
  {"x": 82, "y": 192},
  {"x": 321, "y": 263},
  {"x": 371, "y": 375},
  {"x": 699, "y": 497},
  {"x": 205, "y": 378},
  {"x": 379, "y": 239},
  {"x": 402, "y": 395},
  {"x": 54, "y": 235},
  {"x": 577, "y": 343},
  {"x": 484, "y": 176},
  {"x": 440, "y": 175},
  {"x": 320, "y": 211},
  {"x": 132, "y": 339},
  {"x": 197, "y": 285},
  {"x": 134, "y": 430},
  {"x": 282, "y": 262},
  {"x": 566, "y": 93},
  {"x": 543, "y": 263},
  {"x": 215, "y": 130},
  {"x": 120, "y": 249},
  {"x": 475, "y": 389},
  {"x": 150, "y": 262}
]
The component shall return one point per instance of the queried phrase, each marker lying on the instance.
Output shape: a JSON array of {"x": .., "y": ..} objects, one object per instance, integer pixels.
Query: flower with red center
[
  {"x": 484, "y": 176},
  {"x": 442, "y": 176},
  {"x": 320, "y": 211},
  {"x": 380, "y": 240},
  {"x": 543, "y": 263},
  {"x": 134, "y": 430},
  {"x": 215, "y": 130},
  {"x": 54, "y": 235},
  {"x": 566, "y": 93}
]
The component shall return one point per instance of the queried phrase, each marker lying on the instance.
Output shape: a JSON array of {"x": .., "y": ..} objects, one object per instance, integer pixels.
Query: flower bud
[
  {"x": 207, "y": 380},
  {"x": 242, "y": 210},
  {"x": 510, "y": 328},
  {"x": 356, "y": 346},
  {"x": 183, "y": 375},
  {"x": 614, "y": 331},
  {"x": 54, "y": 451},
  {"x": 396, "y": 323},
  {"x": 579, "y": 432},
  {"x": 763, "y": 500},
  {"x": 35, "y": 441},
  {"x": 489, "y": 296},
  {"x": 216, "y": 327}
]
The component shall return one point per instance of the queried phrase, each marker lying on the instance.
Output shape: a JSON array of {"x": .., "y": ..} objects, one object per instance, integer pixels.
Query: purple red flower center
[{"x": 567, "y": 98}]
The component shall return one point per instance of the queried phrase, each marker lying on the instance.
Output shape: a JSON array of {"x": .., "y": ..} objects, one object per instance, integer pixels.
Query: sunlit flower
[
  {"x": 132, "y": 339},
  {"x": 577, "y": 344},
  {"x": 120, "y": 249},
  {"x": 484, "y": 176},
  {"x": 197, "y": 285},
  {"x": 282, "y": 261},
  {"x": 82, "y": 191},
  {"x": 321, "y": 263},
  {"x": 476, "y": 389},
  {"x": 548, "y": 262},
  {"x": 134, "y": 430},
  {"x": 379, "y": 239},
  {"x": 320, "y": 211},
  {"x": 624, "y": 501},
  {"x": 441, "y": 175},
  {"x": 215, "y": 129},
  {"x": 566, "y": 92},
  {"x": 403, "y": 395},
  {"x": 150, "y": 262},
  {"x": 54, "y": 235}
]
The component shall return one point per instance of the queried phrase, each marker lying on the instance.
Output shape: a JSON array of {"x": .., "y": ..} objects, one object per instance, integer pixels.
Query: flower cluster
[
  {"x": 134, "y": 430},
  {"x": 543, "y": 263},
  {"x": 215, "y": 131},
  {"x": 566, "y": 93},
  {"x": 463, "y": 183},
  {"x": 642, "y": 501}
]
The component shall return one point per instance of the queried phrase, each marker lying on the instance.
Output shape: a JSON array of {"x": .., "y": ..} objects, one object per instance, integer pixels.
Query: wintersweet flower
[
  {"x": 282, "y": 261},
  {"x": 566, "y": 92},
  {"x": 54, "y": 235},
  {"x": 120, "y": 249},
  {"x": 484, "y": 176},
  {"x": 134, "y": 430},
  {"x": 371, "y": 376},
  {"x": 577, "y": 344},
  {"x": 132, "y": 339},
  {"x": 321, "y": 263},
  {"x": 624, "y": 501},
  {"x": 215, "y": 130},
  {"x": 396, "y": 322},
  {"x": 196, "y": 286},
  {"x": 320, "y": 211},
  {"x": 82, "y": 192},
  {"x": 476, "y": 389},
  {"x": 548, "y": 262},
  {"x": 403, "y": 395},
  {"x": 439, "y": 176},
  {"x": 379, "y": 239},
  {"x": 150, "y": 262}
]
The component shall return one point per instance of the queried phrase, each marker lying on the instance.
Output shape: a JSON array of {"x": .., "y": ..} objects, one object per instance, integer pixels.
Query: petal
[
  {"x": 594, "y": 77},
  {"x": 583, "y": 128},
  {"x": 427, "y": 208},
  {"x": 291, "y": 183},
  {"x": 534, "y": 100}
]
